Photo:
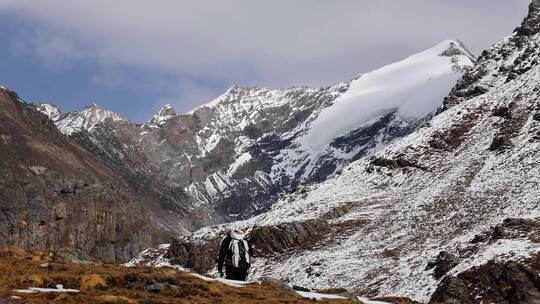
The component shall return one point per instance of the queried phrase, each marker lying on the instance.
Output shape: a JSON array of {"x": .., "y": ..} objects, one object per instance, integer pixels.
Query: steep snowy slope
[
  {"x": 235, "y": 155},
  {"x": 86, "y": 119},
  {"x": 382, "y": 225},
  {"x": 402, "y": 93}
]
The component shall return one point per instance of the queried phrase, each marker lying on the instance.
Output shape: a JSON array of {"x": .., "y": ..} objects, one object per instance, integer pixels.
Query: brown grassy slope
[{"x": 112, "y": 283}]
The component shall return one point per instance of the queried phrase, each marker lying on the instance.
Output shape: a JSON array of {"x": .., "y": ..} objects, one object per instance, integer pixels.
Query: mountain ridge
[
  {"x": 380, "y": 225},
  {"x": 55, "y": 194},
  {"x": 238, "y": 153}
]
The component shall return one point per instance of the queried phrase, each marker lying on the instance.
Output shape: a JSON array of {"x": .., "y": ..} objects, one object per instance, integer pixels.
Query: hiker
[{"x": 234, "y": 252}]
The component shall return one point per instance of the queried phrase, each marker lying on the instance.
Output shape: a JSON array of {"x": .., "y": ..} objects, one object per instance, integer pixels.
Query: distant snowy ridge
[
  {"x": 410, "y": 89},
  {"x": 50, "y": 110},
  {"x": 71, "y": 122},
  {"x": 238, "y": 153},
  {"x": 415, "y": 87},
  {"x": 165, "y": 114}
]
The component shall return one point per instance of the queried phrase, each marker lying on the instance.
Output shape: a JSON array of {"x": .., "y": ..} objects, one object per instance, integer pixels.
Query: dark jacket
[{"x": 225, "y": 254}]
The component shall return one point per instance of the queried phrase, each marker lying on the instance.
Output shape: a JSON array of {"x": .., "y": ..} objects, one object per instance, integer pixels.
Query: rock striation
[{"x": 54, "y": 194}]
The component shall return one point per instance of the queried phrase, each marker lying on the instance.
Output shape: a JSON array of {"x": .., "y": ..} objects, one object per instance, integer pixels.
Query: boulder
[{"x": 93, "y": 281}]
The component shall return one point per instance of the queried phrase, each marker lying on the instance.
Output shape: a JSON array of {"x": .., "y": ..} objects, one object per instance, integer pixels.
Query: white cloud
[{"x": 256, "y": 42}]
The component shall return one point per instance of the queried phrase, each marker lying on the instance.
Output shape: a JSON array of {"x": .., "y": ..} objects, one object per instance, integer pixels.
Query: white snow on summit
[
  {"x": 50, "y": 110},
  {"x": 214, "y": 102},
  {"x": 87, "y": 119},
  {"x": 413, "y": 88},
  {"x": 416, "y": 86},
  {"x": 165, "y": 114}
]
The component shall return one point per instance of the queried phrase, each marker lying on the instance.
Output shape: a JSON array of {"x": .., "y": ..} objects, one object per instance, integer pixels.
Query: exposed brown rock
[
  {"x": 452, "y": 139},
  {"x": 442, "y": 264},
  {"x": 268, "y": 241},
  {"x": 396, "y": 163},
  {"x": 53, "y": 194},
  {"x": 511, "y": 228},
  {"x": 130, "y": 285},
  {"x": 495, "y": 282}
]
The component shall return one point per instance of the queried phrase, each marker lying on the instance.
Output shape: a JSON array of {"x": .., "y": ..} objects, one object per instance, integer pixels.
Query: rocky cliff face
[
  {"x": 403, "y": 221},
  {"x": 233, "y": 157},
  {"x": 502, "y": 281},
  {"x": 54, "y": 194}
]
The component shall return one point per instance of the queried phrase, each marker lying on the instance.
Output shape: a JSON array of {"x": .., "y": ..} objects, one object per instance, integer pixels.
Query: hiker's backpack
[{"x": 240, "y": 254}]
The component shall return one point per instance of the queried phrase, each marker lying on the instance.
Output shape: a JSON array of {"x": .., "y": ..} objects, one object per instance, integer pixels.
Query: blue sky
[
  {"x": 74, "y": 83},
  {"x": 135, "y": 56}
]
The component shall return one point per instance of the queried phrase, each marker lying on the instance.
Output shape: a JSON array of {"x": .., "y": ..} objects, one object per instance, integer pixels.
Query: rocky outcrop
[
  {"x": 504, "y": 62},
  {"x": 54, "y": 194},
  {"x": 395, "y": 163},
  {"x": 504, "y": 280},
  {"x": 443, "y": 263},
  {"x": 531, "y": 24},
  {"x": 495, "y": 282},
  {"x": 267, "y": 241},
  {"x": 511, "y": 228}
]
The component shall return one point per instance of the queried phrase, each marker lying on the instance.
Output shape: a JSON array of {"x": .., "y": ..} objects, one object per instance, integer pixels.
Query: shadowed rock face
[
  {"x": 495, "y": 282},
  {"x": 267, "y": 241},
  {"x": 498, "y": 280},
  {"x": 54, "y": 194},
  {"x": 105, "y": 146}
]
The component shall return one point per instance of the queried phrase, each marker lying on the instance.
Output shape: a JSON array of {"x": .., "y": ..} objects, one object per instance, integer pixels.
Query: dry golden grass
[{"x": 112, "y": 283}]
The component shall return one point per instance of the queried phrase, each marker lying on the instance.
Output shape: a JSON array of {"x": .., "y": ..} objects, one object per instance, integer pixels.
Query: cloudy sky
[{"x": 134, "y": 56}]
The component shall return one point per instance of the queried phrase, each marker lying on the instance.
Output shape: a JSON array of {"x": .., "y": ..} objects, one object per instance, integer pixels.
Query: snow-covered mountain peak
[
  {"x": 93, "y": 105},
  {"x": 50, "y": 110},
  {"x": 76, "y": 121},
  {"x": 216, "y": 100},
  {"x": 454, "y": 47},
  {"x": 239, "y": 98},
  {"x": 407, "y": 91},
  {"x": 167, "y": 107},
  {"x": 95, "y": 114},
  {"x": 416, "y": 86},
  {"x": 165, "y": 114}
]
